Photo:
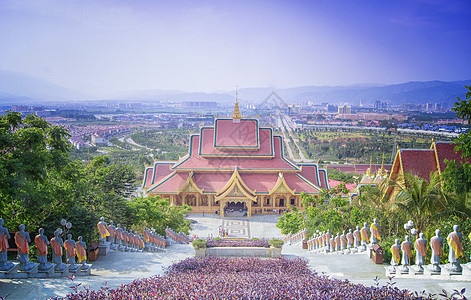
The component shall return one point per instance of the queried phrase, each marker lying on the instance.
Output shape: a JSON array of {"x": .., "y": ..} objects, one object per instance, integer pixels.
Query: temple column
[
  {"x": 262, "y": 202},
  {"x": 221, "y": 208},
  {"x": 172, "y": 200},
  {"x": 249, "y": 209},
  {"x": 272, "y": 200},
  {"x": 198, "y": 201},
  {"x": 210, "y": 200}
]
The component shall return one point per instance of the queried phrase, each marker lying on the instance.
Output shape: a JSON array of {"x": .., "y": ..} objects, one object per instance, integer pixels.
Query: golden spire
[{"x": 236, "y": 115}]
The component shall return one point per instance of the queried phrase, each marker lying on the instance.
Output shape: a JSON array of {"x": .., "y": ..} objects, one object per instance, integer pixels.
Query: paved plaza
[{"x": 123, "y": 267}]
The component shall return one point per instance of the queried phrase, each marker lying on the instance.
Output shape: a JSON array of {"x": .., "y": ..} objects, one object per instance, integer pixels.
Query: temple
[
  {"x": 234, "y": 165},
  {"x": 420, "y": 162}
]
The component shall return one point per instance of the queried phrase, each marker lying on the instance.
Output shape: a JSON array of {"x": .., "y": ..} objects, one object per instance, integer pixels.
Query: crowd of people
[{"x": 244, "y": 278}]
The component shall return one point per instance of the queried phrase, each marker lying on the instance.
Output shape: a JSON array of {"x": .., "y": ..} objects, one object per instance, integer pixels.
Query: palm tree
[{"x": 419, "y": 199}]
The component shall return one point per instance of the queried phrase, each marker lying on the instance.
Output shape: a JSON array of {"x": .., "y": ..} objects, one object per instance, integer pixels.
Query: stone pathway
[{"x": 236, "y": 228}]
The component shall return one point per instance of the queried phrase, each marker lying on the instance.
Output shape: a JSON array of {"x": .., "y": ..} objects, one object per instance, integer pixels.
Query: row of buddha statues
[
  {"x": 75, "y": 251},
  {"x": 353, "y": 241},
  {"x": 364, "y": 238},
  {"x": 404, "y": 250},
  {"x": 117, "y": 237}
]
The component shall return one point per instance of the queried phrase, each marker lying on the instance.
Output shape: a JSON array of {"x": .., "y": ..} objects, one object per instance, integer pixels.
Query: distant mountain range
[{"x": 17, "y": 88}]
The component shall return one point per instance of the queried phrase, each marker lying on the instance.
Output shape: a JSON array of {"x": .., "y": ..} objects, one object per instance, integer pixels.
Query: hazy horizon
[{"x": 110, "y": 47}]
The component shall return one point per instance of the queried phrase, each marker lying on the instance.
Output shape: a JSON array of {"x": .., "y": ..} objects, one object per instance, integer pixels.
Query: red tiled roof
[
  {"x": 148, "y": 176},
  {"x": 196, "y": 162},
  {"x": 207, "y": 146},
  {"x": 298, "y": 183},
  {"x": 446, "y": 150},
  {"x": 322, "y": 177},
  {"x": 358, "y": 168},
  {"x": 161, "y": 170},
  {"x": 230, "y": 134},
  {"x": 310, "y": 173},
  {"x": 418, "y": 162},
  {"x": 170, "y": 184},
  {"x": 350, "y": 186}
]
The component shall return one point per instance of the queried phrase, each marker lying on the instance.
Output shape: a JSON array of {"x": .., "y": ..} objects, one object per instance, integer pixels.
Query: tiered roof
[{"x": 236, "y": 149}]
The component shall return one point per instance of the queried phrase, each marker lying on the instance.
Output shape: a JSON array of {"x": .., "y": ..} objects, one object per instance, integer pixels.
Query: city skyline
[{"x": 109, "y": 47}]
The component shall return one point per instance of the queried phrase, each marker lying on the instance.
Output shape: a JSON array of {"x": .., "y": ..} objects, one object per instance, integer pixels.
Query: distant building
[
  {"x": 331, "y": 108},
  {"x": 344, "y": 110},
  {"x": 378, "y": 105},
  {"x": 200, "y": 104},
  {"x": 98, "y": 140},
  {"x": 293, "y": 109}
]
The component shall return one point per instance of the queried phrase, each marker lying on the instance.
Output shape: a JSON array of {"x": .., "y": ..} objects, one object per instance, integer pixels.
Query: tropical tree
[{"x": 419, "y": 199}]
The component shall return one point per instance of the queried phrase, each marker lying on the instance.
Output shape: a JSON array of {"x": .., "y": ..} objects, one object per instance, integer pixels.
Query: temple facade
[{"x": 234, "y": 165}]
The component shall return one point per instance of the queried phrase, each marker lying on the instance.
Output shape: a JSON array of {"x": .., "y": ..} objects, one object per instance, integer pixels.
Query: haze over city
[{"x": 106, "y": 47}]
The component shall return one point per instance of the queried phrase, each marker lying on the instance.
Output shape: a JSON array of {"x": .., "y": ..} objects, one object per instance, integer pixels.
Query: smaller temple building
[{"x": 234, "y": 165}]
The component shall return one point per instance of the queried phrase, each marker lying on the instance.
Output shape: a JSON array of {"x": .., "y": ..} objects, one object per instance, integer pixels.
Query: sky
[{"x": 111, "y": 46}]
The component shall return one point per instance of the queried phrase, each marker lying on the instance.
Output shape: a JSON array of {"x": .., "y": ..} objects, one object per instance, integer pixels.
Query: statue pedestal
[
  {"x": 85, "y": 270},
  {"x": 390, "y": 271},
  {"x": 466, "y": 269},
  {"x": 428, "y": 271},
  {"x": 369, "y": 251},
  {"x": 104, "y": 249},
  {"x": 32, "y": 268},
  {"x": 10, "y": 273},
  {"x": 62, "y": 270},
  {"x": 446, "y": 270},
  {"x": 47, "y": 272},
  {"x": 74, "y": 268},
  {"x": 415, "y": 270}
]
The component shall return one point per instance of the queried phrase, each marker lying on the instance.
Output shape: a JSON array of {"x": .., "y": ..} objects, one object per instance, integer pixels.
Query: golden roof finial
[{"x": 236, "y": 115}]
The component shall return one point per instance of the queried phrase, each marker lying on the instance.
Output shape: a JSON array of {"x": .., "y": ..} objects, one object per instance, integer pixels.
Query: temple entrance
[
  {"x": 235, "y": 209},
  {"x": 282, "y": 202}
]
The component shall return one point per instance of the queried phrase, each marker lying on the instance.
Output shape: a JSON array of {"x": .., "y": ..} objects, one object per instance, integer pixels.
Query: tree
[
  {"x": 157, "y": 213},
  {"x": 463, "y": 110},
  {"x": 33, "y": 169},
  {"x": 291, "y": 222},
  {"x": 419, "y": 199}
]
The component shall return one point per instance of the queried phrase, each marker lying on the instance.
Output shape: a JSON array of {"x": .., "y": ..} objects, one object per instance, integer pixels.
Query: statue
[
  {"x": 420, "y": 247},
  {"x": 343, "y": 241},
  {"x": 357, "y": 237},
  {"x": 332, "y": 244},
  {"x": 337, "y": 242},
  {"x": 350, "y": 239},
  {"x": 436, "y": 243},
  {"x": 41, "y": 242},
  {"x": 112, "y": 231},
  {"x": 69, "y": 246},
  {"x": 22, "y": 241},
  {"x": 56, "y": 245},
  {"x": 375, "y": 237},
  {"x": 364, "y": 235},
  {"x": 4, "y": 237},
  {"x": 454, "y": 241},
  {"x": 81, "y": 251},
  {"x": 396, "y": 256},
  {"x": 406, "y": 247},
  {"x": 327, "y": 240},
  {"x": 102, "y": 228},
  {"x": 119, "y": 236}
]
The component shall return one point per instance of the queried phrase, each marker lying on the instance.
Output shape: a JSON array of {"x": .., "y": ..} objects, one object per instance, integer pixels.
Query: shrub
[
  {"x": 199, "y": 244},
  {"x": 277, "y": 243}
]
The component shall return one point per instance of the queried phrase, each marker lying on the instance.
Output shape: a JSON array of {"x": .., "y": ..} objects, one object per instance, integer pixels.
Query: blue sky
[{"x": 110, "y": 46}]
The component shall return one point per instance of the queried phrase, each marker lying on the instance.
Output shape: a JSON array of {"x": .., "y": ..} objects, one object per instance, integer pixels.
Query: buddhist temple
[
  {"x": 236, "y": 164},
  {"x": 420, "y": 162}
]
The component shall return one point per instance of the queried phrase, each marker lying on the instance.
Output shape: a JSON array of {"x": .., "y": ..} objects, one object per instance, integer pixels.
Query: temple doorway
[{"x": 235, "y": 209}]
